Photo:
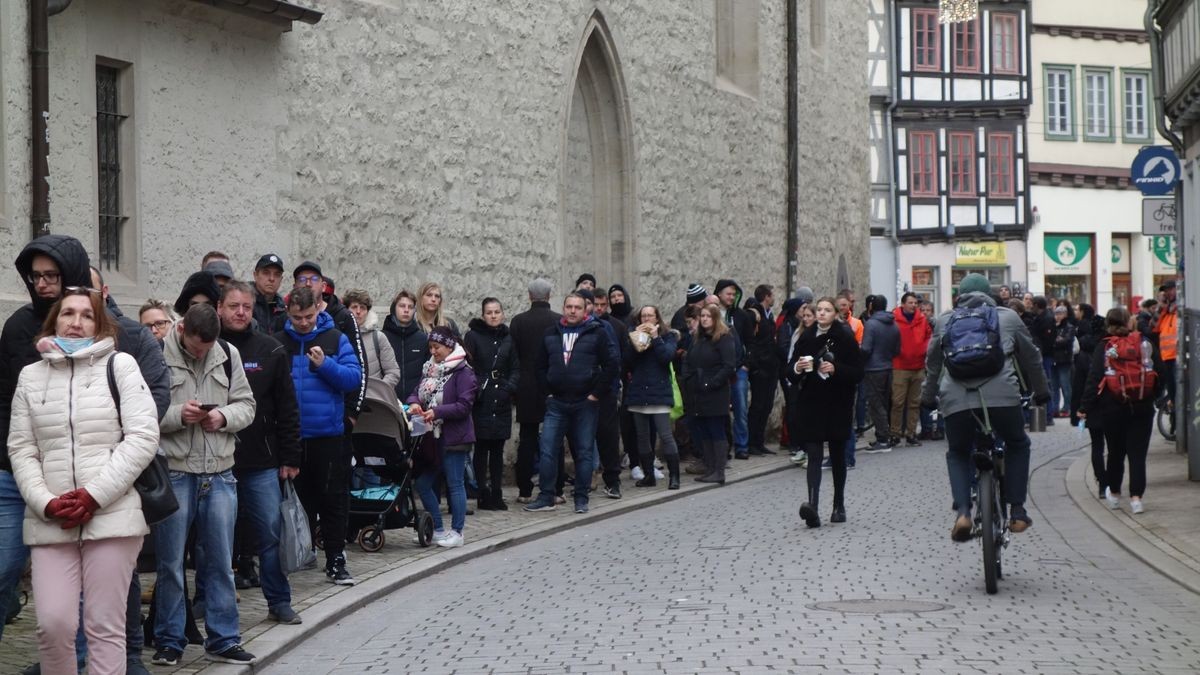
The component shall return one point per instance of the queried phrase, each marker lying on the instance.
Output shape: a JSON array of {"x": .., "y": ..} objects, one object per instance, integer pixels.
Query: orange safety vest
[
  {"x": 1168, "y": 335},
  {"x": 857, "y": 327}
]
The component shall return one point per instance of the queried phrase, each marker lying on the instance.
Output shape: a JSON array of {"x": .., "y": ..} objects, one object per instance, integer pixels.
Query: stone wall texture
[{"x": 399, "y": 142}]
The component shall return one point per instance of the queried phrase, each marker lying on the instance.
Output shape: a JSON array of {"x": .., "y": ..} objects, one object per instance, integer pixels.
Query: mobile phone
[{"x": 208, "y": 406}]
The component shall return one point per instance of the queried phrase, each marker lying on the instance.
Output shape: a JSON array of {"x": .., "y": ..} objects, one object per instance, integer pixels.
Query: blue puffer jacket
[
  {"x": 320, "y": 391},
  {"x": 650, "y": 373}
]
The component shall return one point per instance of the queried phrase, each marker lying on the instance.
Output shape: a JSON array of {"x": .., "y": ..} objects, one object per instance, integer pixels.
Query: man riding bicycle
[{"x": 963, "y": 401}]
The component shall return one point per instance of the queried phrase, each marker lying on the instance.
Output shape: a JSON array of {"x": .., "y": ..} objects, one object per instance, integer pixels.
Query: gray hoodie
[
  {"x": 881, "y": 341},
  {"x": 998, "y": 391}
]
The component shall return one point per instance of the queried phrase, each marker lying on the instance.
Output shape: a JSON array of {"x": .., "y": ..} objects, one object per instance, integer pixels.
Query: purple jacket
[{"x": 458, "y": 398}]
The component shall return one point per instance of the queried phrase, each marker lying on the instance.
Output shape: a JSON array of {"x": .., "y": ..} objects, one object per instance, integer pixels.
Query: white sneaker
[
  {"x": 451, "y": 539},
  {"x": 799, "y": 457},
  {"x": 658, "y": 475},
  {"x": 437, "y": 534},
  {"x": 637, "y": 473},
  {"x": 1135, "y": 505},
  {"x": 657, "y": 463},
  {"x": 1114, "y": 501}
]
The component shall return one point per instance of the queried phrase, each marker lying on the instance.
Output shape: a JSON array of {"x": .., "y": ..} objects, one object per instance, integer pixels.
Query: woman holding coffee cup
[{"x": 825, "y": 367}]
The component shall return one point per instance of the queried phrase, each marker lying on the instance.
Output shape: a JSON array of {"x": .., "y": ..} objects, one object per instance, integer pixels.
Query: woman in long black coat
[
  {"x": 707, "y": 369},
  {"x": 494, "y": 358},
  {"x": 826, "y": 366},
  {"x": 1091, "y": 332}
]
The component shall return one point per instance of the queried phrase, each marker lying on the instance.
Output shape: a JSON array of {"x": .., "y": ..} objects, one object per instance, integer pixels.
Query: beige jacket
[
  {"x": 188, "y": 447},
  {"x": 66, "y": 433}
]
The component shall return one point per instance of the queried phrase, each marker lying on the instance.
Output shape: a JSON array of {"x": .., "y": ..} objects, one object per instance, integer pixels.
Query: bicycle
[
  {"x": 990, "y": 511},
  {"x": 1165, "y": 417}
]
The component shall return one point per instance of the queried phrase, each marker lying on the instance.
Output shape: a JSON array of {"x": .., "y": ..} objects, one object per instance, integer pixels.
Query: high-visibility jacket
[
  {"x": 857, "y": 327},
  {"x": 1168, "y": 334}
]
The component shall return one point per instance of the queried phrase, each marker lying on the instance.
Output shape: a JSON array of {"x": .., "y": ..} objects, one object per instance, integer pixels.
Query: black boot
[
  {"x": 483, "y": 501},
  {"x": 717, "y": 451},
  {"x": 647, "y": 464},
  {"x": 496, "y": 499},
  {"x": 839, "y": 512},
  {"x": 673, "y": 472},
  {"x": 705, "y": 449},
  {"x": 808, "y": 510}
]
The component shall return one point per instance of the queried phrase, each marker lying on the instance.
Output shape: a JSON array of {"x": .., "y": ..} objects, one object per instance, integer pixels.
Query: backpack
[
  {"x": 971, "y": 346},
  {"x": 1126, "y": 376}
]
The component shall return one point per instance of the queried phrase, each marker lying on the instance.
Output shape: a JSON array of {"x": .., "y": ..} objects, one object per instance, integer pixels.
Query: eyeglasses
[
  {"x": 306, "y": 278},
  {"x": 158, "y": 325},
  {"x": 78, "y": 290},
  {"x": 48, "y": 277}
]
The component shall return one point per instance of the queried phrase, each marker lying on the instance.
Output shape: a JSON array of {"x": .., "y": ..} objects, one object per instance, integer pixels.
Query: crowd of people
[{"x": 238, "y": 387}]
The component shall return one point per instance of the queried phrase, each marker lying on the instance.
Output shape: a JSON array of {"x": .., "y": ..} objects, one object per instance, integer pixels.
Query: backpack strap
[
  {"x": 112, "y": 385},
  {"x": 228, "y": 362}
]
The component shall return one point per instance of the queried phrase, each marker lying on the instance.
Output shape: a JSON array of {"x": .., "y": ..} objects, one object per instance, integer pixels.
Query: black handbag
[{"x": 154, "y": 485}]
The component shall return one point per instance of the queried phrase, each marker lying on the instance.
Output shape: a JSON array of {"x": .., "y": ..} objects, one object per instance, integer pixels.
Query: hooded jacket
[
  {"x": 344, "y": 321},
  {"x": 881, "y": 341},
  {"x": 381, "y": 358},
  {"x": 590, "y": 369},
  {"x": 410, "y": 348},
  {"x": 1000, "y": 390},
  {"x": 624, "y": 310},
  {"x": 17, "y": 348},
  {"x": 498, "y": 370},
  {"x": 914, "y": 340},
  {"x": 198, "y": 283},
  {"x": 67, "y": 434},
  {"x": 273, "y": 438},
  {"x": 736, "y": 318},
  {"x": 320, "y": 391},
  {"x": 137, "y": 341},
  {"x": 762, "y": 353},
  {"x": 189, "y": 448}
]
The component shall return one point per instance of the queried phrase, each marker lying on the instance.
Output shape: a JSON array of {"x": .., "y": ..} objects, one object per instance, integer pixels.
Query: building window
[
  {"x": 923, "y": 163},
  {"x": 108, "y": 157},
  {"x": 737, "y": 46},
  {"x": 1000, "y": 165},
  {"x": 1097, "y": 109},
  {"x": 962, "y": 164},
  {"x": 927, "y": 40},
  {"x": 966, "y": 47},
  {"x": 1137, "y": 97},
  {"x": 1059, "y": 103},
  {"x": 1004, "y": 44}
]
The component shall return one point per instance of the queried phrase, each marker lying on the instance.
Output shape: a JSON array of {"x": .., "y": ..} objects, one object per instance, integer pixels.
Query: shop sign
[
  {"x": 1164, "y": 255},
  {"x": 1068, "y": 254},
  {"x": 987, "y": 253},
  {"x": 1120, "y": 255}
]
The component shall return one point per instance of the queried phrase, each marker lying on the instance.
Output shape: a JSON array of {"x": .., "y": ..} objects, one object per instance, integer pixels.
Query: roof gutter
[{"x": 40, "y": 12}]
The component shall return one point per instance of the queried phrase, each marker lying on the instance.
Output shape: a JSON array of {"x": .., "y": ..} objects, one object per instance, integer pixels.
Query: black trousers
[
  {"x": 608, "y": 439},
  {"x": 763, "y": 383},
  {"x": 489, "y": 464},
  {"x": 324, "y": 489},
  {"x": 878, "y": 386},
  {"x": 527, "y": 453},
  {"x": 629, "y": 437},
  {"x": 1128, "y": 436},
  {"x": 1098, "y": 469}
]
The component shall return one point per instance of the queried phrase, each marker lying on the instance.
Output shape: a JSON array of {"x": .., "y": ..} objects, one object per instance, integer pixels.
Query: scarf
[{"x": 434, "y": 377}]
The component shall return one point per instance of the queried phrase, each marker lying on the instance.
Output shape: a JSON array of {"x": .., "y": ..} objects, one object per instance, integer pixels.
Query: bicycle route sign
[
  {"x": 1158, "y": 216},
  {"x": 1155, "y": 170}
]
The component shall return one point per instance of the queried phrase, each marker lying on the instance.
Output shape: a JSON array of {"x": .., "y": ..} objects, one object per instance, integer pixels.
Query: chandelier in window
[{"x": 955, "y": 11}]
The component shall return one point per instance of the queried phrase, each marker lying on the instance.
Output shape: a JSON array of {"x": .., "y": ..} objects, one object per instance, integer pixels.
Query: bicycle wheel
[
  {"x": 1166, "y": 423},
  {"x": 992, "y": 529}
]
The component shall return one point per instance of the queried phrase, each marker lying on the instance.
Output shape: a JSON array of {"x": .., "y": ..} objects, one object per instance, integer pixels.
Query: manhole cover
[{"x": 878, "y": 606}]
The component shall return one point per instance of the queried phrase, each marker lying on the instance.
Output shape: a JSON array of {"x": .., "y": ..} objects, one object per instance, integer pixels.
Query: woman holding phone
[{"x": 825, "y": 367}]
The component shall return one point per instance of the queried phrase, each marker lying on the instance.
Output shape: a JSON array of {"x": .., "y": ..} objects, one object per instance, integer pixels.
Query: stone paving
[{"x": 724, "y": 581}]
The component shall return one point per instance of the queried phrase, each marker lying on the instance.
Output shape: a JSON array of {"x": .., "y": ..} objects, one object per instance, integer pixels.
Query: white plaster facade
[{"x": 399, "y": 142}]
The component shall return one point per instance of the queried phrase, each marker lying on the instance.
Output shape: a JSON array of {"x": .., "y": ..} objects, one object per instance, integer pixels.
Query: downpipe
[{"x": 40, "y": 12}]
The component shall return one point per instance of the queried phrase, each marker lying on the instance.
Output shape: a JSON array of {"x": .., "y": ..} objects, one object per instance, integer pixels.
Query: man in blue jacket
[
  {"x": 324, "y": 369},
  {"x": 576, "y": 367}
]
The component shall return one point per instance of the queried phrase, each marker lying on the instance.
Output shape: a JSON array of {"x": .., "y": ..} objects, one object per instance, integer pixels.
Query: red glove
[
  {"x": 84, "y": 508},
  {"x": 59, "y": 507}
]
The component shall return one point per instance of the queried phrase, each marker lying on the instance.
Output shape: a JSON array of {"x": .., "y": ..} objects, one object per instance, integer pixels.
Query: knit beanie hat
[
  {"x": 443, "y": 336},
  {"x": 696, "y": 293},
  {"x": 586, "y": 276},
  {"x": 974, "y": 283},
  {"x": 805, "y": 295}
]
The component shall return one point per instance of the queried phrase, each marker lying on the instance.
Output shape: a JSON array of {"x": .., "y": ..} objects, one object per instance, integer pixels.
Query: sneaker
[
  {"x": 827, "y": 464},
  {"x": 741, "y": 453},
  {"x": 166, "y": 656},
  {"x": 134, "y": 666},
  {"x": 524, "y": 499},
  {"x": 234, "y": 654},
  {"x": 284, "y": 614},
  {"x": 452, "y": 539},
  {"x": 614, "y": 491},
  {"x": 938, "y": 436},
  {"x": 1102, "y": 489},
  {"x": 1114, "y": 501},
  {"x": 912, "y": 442},
  {"x": 1135, "y": 505},
  {"x": 799, "y": 457},
  {"x": 335, "y": 571},
  {"x": 877, "y": 447},
  {"x": 540, "y": 505},
  {"x": 658, "y": 474},
  {"x": 559, "y": 499},
  {"x": 764, "y": 450},
  {"x": 637, "y": 473},
  {"x": 581, "y": 507},
  {"x": 962, "y": 529}
]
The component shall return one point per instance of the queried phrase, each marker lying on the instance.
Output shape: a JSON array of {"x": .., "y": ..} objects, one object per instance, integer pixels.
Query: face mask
[{"x": 72, "y": 345}]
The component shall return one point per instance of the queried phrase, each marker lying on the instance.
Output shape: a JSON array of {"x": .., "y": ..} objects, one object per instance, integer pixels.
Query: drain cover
[{"x": 878, "y": 606}]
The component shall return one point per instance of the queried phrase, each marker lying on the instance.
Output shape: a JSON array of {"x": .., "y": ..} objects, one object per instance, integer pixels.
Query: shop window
[{"x": 925, "y": 285}]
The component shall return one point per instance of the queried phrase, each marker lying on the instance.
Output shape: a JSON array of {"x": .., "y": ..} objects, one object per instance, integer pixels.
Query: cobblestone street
[{"x": 728, "y": 580}]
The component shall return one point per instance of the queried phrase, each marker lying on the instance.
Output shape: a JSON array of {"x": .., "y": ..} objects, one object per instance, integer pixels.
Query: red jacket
[{"x": 914, "y": 341}]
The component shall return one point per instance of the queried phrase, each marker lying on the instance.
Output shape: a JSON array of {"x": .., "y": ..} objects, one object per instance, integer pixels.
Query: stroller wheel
[
  {"x": 318, "y": 540},
  {"x": 370, "y": 539},
  {"x": 425, "y": 529}
]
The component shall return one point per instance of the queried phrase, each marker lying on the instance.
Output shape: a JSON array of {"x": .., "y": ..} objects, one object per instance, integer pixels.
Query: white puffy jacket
[{"x": 66, "y": 434}]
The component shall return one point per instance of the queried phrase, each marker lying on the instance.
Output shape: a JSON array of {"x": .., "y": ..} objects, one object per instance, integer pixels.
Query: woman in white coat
[{"x": 75, "y": 458}]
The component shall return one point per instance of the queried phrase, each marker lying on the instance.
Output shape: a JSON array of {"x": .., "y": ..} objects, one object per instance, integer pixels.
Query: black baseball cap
[
  {"x": 269, "y": 260},
  {"x": 1167, "y": 285},
  {"x": 307, "y": 265}
]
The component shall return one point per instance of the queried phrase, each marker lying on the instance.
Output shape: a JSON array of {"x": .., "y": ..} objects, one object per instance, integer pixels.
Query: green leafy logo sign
[
  {"x": 1165, "y": 255},
  {"x": 1068, "y": 254}
]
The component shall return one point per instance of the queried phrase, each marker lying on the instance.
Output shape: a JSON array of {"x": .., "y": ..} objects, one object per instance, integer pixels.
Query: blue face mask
[{"x": 72, "y": 345}]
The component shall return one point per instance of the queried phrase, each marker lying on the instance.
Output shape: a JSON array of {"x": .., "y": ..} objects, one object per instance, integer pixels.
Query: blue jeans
[
  {"x": 1060, "y": 382},
  {"x": 13, "y": 551},
  {"x": 741, "y": 408},
  {"x": 454, "y": 466},
  {"x": 209, "y": 501},
  {"x": 259, "y": 497},
  {"x": 860, "y": 407},
  {"x": 575, "y": 420}
]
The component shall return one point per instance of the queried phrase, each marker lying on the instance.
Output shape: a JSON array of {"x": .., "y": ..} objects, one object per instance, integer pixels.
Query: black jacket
[
  {"x": 762, "y": 354},
  {"x": 1102, "y": 407},
  {"x": 824, "y": 409},
  {"x": 137, "y": 341},
  {"x": 17, "y": 348},
  {"x": 527, "y": 329},
  {"x": 498, "y": 370},
  {"x": 1043, "y": 331},
  {"x": 649, "y": 381},
  {"x": 267, "y": 310},
  {"x": 707, "y": 369},
  {"x": 411, "y": 346},
  {"x": 1064, "y": 343},
  {"x": 591, "y": 368},
  {"x": 273, "y": 438}
]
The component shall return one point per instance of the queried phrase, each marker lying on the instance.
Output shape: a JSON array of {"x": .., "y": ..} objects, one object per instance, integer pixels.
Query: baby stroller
[{"x": 384, "y": 440}]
